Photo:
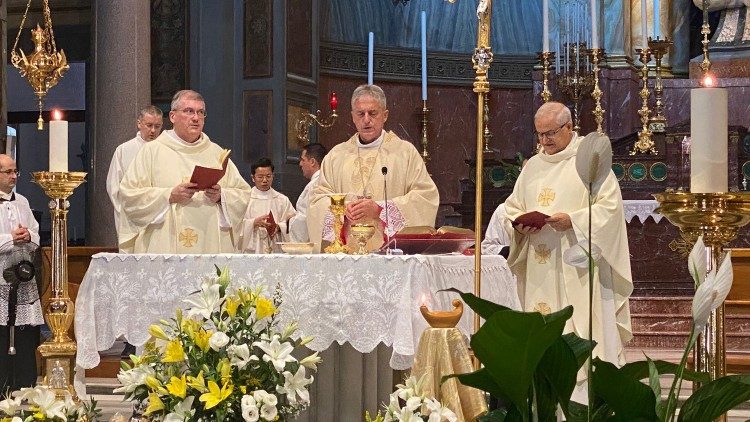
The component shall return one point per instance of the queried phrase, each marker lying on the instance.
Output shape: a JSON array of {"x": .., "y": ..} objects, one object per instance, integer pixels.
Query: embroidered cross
[
  {"x": 542, "y": 253},
  {"x": 546, "y": 196},
  {"x": 543, "y": 308},
  {"x": 188, "y": 237}
]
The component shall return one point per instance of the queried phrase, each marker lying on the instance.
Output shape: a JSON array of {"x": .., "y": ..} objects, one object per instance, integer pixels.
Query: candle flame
[
  {"x": 56, "y": 114},
  {"x": 708, "y": 81},
  {"x": 424, "y": 299}
]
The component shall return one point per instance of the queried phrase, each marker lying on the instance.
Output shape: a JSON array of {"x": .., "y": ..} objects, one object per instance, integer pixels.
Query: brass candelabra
[
  {"x": 658, "y": 122},
  {"x": 576, "y": 81},
  {"x": 705, "y": 31},
  {"x": 303, "y": 125},
  {"x": 337, "y": 208},
  {"x": 546, "y": 58},
  {"x": 596, "y": 55},
  {"x": 58, "y": 353},
  {"x": 644, "y": 144},
  {"x": 45, "y": 66},
  {"x": 425, "y": 124},
  {"x": 718, "y": 217}
]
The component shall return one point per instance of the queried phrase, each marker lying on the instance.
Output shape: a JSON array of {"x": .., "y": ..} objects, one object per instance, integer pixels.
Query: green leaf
[
  {"x": 579, "y": 412},
  {"x": 498, "y": 415},
  {"x": 480, "y": 379},
  {"x": 716, "y": 398},
  {"x": 655, "y": 383},
  {"x": 510, "y": 344},
  {"x": 580, "y": 347},
  {"x": 557, "y": 370},
  {"x": 484, "y": 308},
  {"x": 639, "y": 370},
  {"x": 630, "y": 399}
]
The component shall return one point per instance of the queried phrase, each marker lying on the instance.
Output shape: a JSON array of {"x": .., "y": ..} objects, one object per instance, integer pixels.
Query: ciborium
[
  {"x": 58, "y": 353},
  {"x": 338, "y": 208},
  {"x": 363, "y": 233},
  {"x": 717, "y": 217}
]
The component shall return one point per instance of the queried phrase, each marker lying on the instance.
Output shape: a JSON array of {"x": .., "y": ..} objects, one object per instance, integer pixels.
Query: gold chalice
[
  {"x": 337, "y": 208},
  {"x": 363, "y": 233}
]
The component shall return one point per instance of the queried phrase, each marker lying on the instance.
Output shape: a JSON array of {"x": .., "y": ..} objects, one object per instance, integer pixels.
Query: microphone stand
[{"x": 384, "y": 170}]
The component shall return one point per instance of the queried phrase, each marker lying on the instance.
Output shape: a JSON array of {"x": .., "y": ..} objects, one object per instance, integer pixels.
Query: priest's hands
[
  {"x": 21, "y": 235},
  {"x": 213, "y": 193},
  {"x": 560, "y": 221},
  {"x": 182, "y": 193},
  {"x": 264, "y": 222},
  {"x": 362, "y": 209}
]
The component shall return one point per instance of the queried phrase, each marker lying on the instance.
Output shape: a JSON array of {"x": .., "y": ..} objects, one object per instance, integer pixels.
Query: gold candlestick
[
  {"x": 598, "y": 112},
  {"x": 644, "y": 144},
  {"x": 338, "y": 208},
  {"x": 718, "y": 217},
  {"x": 425, "y": 121},
  {"x": 303, "y": 125},
  {"x": 546, "y": 58},
  {"x": 58, "y": 353},
  {"x": 576, "y": 80},
  {"x": 658, "y": 122},
  {"x": 705, "y": 31}
]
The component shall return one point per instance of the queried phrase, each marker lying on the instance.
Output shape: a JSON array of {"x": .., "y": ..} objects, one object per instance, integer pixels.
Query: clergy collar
[
  {"x": 139, "y": 137},
  {"x": 259, "y": 194},
  {"x": 4, "y": 197},
  {"x": 176, "y": 138},
  {"x": 315, "y": 175},
  {"x": 568, "y": 152},
  {"x": 374, "y": 144}
]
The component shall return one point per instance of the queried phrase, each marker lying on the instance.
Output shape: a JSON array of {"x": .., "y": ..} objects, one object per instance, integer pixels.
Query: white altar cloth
[
  {"x": 363, "y": 300},
  {"x": 642, "y": 209}
]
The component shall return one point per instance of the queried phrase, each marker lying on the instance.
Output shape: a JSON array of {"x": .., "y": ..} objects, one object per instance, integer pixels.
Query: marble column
[
  {"x": 616, "y": 30},
  {"x": 3, "y": 80},
  {"x": 120, "y": 85}
]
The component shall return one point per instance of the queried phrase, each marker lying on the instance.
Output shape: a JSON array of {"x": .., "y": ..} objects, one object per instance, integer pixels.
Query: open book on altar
[
  {"x": 205, "y": 177},
  {"x": 427, "y": 240}
]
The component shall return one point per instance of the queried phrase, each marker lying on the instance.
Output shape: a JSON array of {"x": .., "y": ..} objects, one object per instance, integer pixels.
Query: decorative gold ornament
[
  {"x": 543, "y": 308},
  {"x": 576, "y": 81},
  {"x": 705, "y": 30},
  {"x": 443, "y": 319},
  {"x": 303, "y": 125},
  {"x": 596, "y": 55},
  {"x": 338, "y": 208},
  {"x": 43, "y": 68},
  {"x": 425, "y": 122},
  {"x": 545, "y": 197},
  {"x": 542, "y": 253},
  {"x": 658, "y": 122},
  {"x": 717, "y": 217},
  {"x": 644, "y": 144},
  {"x": 58, "y": 353},
  {"x": 188, "y": 237},
  {"x": 546, "y": 58}
]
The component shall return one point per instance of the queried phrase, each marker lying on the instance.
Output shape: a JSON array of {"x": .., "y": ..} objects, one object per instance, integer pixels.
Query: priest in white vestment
[
  {"x": 149, "y": 123},
  {"x": 362, "y": 167},
  {"x": 309, "y": 161},
  {"x": 550, "y": 184},
  {"x": 267, "y": 214},
  {"x": 162, "y": 212}
]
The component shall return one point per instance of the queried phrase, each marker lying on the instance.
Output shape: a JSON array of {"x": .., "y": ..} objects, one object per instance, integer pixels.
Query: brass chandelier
[{"x": 45, "y": 66}]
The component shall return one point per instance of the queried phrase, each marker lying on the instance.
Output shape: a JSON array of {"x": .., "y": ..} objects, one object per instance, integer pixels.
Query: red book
[
  {"x": 205, "y": 177},
  {"x": 534, "y": 219}
]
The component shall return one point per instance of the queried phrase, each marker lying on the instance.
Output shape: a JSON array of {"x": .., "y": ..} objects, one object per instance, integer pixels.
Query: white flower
[
  {"x": 277, "y": 353},
  {"x": 183, "y": 411},
  {"x": 698, "y": 262},
  {"x": 249, "y": 409},
  {"x": 10, "y": 406},
  {"x": 239, "y": 356},
  {"x": 262, "y": 397},
  {"x": 132, "y": 378},
  {"x": 16, "y": 419},
  {"x": 295, "y": 385},
  {"x": 438, "y": 412},
  {"x": 48, "y": 405},
  {"x": 406, "y": 415},
  {"x": 289, "y": 330},
  {"x": 71, "y": 408},
  {"x": 594, "y": 160},
  {"x": 577, "y": 255},
  {"x": 412, "y": 387},
  {"x": 268, "y": 412},
  {"x": 413, "y": 403},
  {"x": 311, "y": 362},
  {"x": 218, "y": 340},
  {"x": 711, "y": 293},
  {"x": 206, "y": 301}
]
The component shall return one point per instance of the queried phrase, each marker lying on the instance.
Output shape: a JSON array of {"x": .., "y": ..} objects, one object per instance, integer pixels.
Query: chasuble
[
  {"x": 150, "y": 224},
  {"x": 550, "y": 184},
  {"x": 356, "y": 169}
]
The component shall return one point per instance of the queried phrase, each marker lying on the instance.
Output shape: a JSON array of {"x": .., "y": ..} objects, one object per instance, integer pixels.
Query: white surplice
[
  {"x": 298, "y": 224},
  {"x": 256, "y": 239},
  {"x": 124, "y": 155}
]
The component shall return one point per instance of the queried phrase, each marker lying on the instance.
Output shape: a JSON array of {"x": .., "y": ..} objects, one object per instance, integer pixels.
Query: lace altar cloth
[
  {"x": 642, "y": 209},
  {"x": 363, "y": 300}
]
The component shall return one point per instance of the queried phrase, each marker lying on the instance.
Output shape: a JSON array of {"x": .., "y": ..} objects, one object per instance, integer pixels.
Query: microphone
[{"x": 384, "y": 170}]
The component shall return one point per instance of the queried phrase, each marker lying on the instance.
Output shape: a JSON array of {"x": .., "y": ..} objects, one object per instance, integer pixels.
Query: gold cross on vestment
[
  {"x": 543, "y": 308},
  {"x": 188, "y": 237},
  {"x": 546, "y": 196},
  {"x": 542, "y": 253}
]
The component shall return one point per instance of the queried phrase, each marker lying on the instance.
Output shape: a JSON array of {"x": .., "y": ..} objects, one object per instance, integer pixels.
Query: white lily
[
  {"x": 275, "y": 352},
  {"x": 711, "y": 293},
  {"x": 182, "y": 412},
  {"x": 698, "y": 262},
  {"x": 206, "y": 301},
  {"x": 594, "y": 160},
  {"x": 10, "y": 406},
  {"x": 577, "y": 255},
  {"x": 406, "y": 415},
  {"x": 218, "y": 340},
  {"x": 311, "y": 362},
  {"x": 438, "y": 412},
  {"x": 296, "y": 385},
  {"x": 239, "y": 356},
  {"x": 249, "y": 409},
  {"x": 48, "y": 405},
  {"x": 131, "y": 379},
  {"x": 412, "y": 387},
  {"x": 413, "y": 403}
]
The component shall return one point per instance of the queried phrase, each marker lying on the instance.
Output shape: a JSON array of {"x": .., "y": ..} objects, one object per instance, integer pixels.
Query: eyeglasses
[
  {"x": 10, "y": 171},
  {"x": 550, "y": 133},
  {"x": 264, "y": 177},
  {"x": 191, "y": 112}
]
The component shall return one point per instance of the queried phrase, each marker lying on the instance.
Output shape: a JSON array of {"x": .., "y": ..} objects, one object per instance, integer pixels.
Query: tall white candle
[
  {"x": 58, "y": 142},
  {"x": 370, "y": 56},
  {"x": 709, "y": 139},
  {"x": 657, "y": 20},
  {"x": 423, "y": 38},
  {"x": 644, "y": 25},
  {"x": 545, "y": 25},
  {"x": 594, "y": 25}
]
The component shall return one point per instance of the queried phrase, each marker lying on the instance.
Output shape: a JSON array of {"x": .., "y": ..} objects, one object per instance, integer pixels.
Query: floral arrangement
[
  {"x": 410, "y": 404},
  {"x": 224, "y": 359},
  {"x": 41, "y": 405}
]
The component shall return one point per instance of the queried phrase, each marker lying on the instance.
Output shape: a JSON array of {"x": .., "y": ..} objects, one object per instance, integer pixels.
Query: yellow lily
[
  {"x": 232, "y": 305},
  {"x": 154, "y": 384},
  {"x": 214, "y": 396},
  {"x": 201, "y": 339},
  {"x": 225, "y": 370},
  {"x": 173, "y": 352},
  {"x": 197, "y": 382},
  {"x": 156, "y": 331},
  {"x": 154, "y": 404},
  {"x": 264, "y": 308},
  {"x": 177, "y": 387}
]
